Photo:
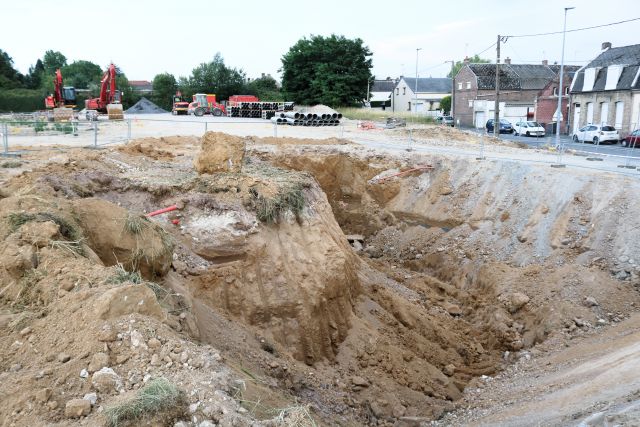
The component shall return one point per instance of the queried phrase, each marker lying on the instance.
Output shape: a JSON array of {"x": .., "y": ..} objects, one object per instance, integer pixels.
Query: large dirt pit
[{"x": 295, "y": 282}]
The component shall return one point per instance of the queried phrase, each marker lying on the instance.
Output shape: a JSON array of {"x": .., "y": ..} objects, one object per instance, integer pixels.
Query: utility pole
[
  {"x": 416, "y": 85},
  {"x": 453, "y": 91},
  {"x": 496, "y": 113},
  {"x": 560, "y": 88}
]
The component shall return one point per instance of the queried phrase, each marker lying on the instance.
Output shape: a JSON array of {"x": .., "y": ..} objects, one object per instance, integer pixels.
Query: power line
[
  {"x": 483, "y": 51},
  {"x": 577, "y": 29}
]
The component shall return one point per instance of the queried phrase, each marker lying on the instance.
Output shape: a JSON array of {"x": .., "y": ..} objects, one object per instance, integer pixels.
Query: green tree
[
  {"x": 164, "y": 87},
  {"x": 265, "y": 88},
  {"x": 330, "y": 70},
  {"x": 445, "y": 104},
  {"x": 475, "y": 59},
  {"x": 53, "y": 60},
  {"x": 10, "y": 78},
  {"x": 80, "y": 74},
  {"x": 216, "y": 77},
  {"x": 33, "y": 80}
]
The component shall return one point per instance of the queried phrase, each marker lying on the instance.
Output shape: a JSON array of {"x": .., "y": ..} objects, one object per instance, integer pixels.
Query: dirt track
[{"x": 462, "y": 271}]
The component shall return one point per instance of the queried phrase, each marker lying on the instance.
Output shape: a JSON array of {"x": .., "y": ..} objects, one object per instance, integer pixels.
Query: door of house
[
  {"x": 480, "y": 119},
  {"x": 619, "y": 111},
  {"x": 576, "y": 119},
  {"x": 604, "y": 113}
]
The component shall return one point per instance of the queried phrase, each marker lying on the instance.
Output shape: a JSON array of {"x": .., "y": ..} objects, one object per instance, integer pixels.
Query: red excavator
[
  {"x": 62, "y": 100},
  {"x": 109, "y": 100}
]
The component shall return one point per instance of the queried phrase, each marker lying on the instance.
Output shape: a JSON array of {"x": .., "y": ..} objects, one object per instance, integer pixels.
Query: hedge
[{"x": 21, "y": 100}]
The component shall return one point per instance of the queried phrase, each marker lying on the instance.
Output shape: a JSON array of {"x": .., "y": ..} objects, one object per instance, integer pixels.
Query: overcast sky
[{"x": 145, "y": 37}]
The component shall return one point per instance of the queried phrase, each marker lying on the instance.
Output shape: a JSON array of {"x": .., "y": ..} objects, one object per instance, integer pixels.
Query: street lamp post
[
  {"x": 415, "y": 100},
  {"x": 560, "y": 88}
]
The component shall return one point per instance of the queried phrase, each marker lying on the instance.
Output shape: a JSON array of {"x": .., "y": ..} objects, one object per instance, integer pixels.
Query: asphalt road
[{"x": 605, "y": 149}]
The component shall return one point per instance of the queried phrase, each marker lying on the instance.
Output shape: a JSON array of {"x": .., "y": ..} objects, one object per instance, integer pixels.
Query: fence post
[
  {"x": 74, "y": 127},
  {"x": 5, "y": 138},
  {"x": 342, "y": 130},
  {"x": 206, "y": 126},
  {"x": 128, "y": 130},
  {"x": 95, "y": 134},
  {"x": 275, "y": 130}
]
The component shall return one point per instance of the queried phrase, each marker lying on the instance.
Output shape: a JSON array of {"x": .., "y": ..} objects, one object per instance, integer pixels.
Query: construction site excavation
[{"x": 216, "y": 279}]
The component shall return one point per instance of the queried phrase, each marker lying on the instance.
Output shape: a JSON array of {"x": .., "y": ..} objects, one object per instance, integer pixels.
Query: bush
[{"x": 21, "y": 100}]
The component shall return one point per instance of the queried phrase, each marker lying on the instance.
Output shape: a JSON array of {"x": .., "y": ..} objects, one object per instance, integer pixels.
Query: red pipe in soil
[{"x": 161, "y": 211}]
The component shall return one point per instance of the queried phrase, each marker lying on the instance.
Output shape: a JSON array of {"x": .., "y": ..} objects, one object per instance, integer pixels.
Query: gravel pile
[{"x": 144, "y": 106}]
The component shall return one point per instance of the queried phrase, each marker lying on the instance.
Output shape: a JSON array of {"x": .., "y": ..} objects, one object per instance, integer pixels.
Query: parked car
[
  {"x": 505, "y": 126},
  {"x": 445, "y": 120},
  {"x": 598, "y": 134},
  {"x": 632, "y": 140},
  {"x": 528, "y": 129}
]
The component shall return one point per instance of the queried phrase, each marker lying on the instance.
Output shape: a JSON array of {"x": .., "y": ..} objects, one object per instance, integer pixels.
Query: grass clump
[
  {"x": 67, "y": 229},
  {"x": 10, "y": 164},
  {"x": 121, "y": 276},
  {"x": 288, "y": 199},
  {"x": 135, "y": 224},
  {"x": 159, "y": 398}
]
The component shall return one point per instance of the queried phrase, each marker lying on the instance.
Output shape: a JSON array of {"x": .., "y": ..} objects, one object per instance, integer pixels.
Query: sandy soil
[{"x": 460, "y": 285}]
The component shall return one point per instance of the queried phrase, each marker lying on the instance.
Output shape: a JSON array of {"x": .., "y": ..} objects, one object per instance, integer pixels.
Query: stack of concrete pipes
[{"x": 297, "y": 118}]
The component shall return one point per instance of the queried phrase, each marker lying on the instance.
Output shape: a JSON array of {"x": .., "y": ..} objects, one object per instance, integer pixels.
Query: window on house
[
  {"x": 555, "y": 91},
  {"x": 404, "y": 90},
  {"x": 468, "y": 85},
  {"x": 566, "y": 90},
  {"x": 460, "y": 86},
  {"x": 397, "y": 91},
  {"x": 470, "y": 103}
]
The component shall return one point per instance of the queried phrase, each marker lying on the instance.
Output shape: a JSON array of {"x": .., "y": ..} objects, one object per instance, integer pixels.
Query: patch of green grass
[
  {"x": 10, "y": 164},
  {"x": 159, "y": 398},
  {"x": 381, "y": 116}
]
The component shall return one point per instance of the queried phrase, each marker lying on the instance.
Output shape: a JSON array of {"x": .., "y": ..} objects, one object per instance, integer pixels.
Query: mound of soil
[{"x": 220, "y": 153}]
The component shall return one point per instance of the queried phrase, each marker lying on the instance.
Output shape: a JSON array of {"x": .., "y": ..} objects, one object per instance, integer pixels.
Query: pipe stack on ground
[{"x": 299, "y": 118}]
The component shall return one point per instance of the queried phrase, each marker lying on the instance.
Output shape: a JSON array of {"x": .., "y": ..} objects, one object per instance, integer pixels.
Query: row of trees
[{"x": 329, "y": 70}]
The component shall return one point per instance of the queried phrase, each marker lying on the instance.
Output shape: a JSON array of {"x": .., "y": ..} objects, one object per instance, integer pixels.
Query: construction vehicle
[
  {"x": 110, "y": 99},
  {"x": 62, "y": 101},
  {"x": 205, "y": 103},
  {"x": 180, "y": 106}
]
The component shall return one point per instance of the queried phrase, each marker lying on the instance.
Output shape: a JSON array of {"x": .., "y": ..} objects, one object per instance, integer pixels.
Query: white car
[
  {"x": 597, "y": 134},
  {"x": 528, "y": 129}
]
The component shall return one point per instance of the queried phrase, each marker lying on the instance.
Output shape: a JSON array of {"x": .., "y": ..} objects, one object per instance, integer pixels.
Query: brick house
[
  {"x": 607, "y": 89},
  {"x": 520, "y": 87},
  {"x": 546, "y": 104}
]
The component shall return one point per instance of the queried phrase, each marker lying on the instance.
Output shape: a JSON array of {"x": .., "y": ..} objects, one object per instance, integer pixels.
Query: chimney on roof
[
  {"x": 606, "y": 45},
  {"x": 466, "y": 60},
  {"x": 388, "y": 78},
  {"x": 507, "y": 60},
  {"x": 545, "y": 62}
]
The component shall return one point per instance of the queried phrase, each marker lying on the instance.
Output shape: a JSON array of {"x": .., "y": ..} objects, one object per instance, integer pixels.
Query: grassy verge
[{"x": 379, "y": 115}]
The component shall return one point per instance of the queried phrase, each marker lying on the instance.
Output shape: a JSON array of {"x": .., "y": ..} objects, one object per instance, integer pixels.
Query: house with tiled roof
[
  {"x": 607, "y": 90},
  {"x": 380, "y": 92},
  {"x": 142, "y": 86},
  {"x": 423, "y": 95},
  {"x": 520, "y": 87}
]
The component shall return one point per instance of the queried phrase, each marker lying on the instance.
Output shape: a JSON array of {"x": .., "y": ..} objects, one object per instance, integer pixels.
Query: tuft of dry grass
[{"x": 156, "y": 399}]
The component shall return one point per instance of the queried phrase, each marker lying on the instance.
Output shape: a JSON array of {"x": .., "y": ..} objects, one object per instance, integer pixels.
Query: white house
[
  {"x": 430, "y": 92},
  {"x": 380, "y": 92}
]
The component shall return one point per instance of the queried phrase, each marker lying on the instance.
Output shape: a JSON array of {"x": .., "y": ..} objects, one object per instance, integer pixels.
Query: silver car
[{"x": 444, "y": 120}]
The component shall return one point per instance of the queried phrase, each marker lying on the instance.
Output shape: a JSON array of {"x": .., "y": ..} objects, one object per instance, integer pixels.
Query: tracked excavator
[
  {"x": 110, "y": 99},
  {"x": 62, "y": 101}
]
